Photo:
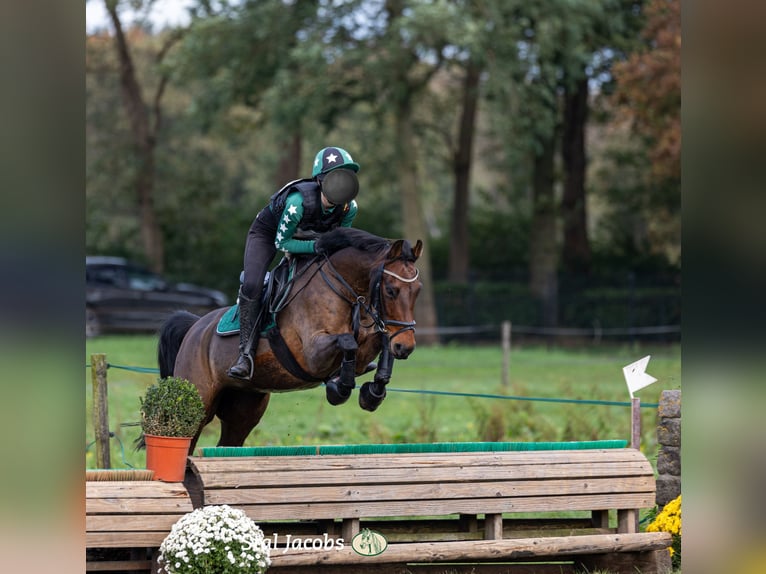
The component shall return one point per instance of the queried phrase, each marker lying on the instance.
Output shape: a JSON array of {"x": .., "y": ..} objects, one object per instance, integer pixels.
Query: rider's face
[{"x": 326, "y": 203}]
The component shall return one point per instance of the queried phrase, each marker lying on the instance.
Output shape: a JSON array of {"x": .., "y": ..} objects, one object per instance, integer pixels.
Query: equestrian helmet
[
  {"x": 340, "y": 186},
  {"x": 330, "y": 158}
]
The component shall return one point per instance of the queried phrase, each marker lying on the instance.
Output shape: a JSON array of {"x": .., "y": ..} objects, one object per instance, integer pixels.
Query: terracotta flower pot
[{"x": 166, "y": 456}]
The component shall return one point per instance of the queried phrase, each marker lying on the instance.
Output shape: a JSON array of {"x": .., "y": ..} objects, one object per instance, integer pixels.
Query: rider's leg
[
  {"x": 259, "y": 251},
  {"x": 248, "y": 313}
]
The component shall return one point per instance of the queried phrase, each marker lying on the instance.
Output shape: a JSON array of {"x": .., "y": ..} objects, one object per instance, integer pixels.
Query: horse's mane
[{"x": 342, "y": 237}]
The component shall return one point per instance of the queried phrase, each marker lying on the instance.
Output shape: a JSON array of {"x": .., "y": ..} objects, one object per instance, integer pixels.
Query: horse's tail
[{"x": 172, "y": 333}]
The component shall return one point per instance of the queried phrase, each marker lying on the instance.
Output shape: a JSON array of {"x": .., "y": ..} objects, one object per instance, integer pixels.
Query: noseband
[{"x": 406, "y": 325}]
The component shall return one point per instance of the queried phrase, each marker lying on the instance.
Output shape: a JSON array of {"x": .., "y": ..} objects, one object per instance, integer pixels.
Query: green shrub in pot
[{"x": 172, "y": 407}]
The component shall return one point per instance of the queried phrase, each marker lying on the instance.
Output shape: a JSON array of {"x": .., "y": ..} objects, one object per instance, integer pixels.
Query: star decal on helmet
[{"x": 332, "y": 158}]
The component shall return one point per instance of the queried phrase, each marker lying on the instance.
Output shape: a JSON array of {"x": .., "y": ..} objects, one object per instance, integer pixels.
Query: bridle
[
  {"x": 375, "y": 310},
  {"x": 377, "y": 292}
]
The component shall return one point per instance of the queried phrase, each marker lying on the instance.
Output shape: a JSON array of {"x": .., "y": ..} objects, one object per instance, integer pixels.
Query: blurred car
[{"x": 123, "y": 297}]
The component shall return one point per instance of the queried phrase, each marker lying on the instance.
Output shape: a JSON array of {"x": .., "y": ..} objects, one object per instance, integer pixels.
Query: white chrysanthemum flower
[{"x": 221, "y": 534}]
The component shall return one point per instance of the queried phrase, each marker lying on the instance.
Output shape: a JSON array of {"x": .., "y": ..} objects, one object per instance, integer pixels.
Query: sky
[{"x": 165, "y": 12}]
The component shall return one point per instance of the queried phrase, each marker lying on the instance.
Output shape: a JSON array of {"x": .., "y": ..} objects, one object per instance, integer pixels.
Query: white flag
[{"x": 636, "y": 377}]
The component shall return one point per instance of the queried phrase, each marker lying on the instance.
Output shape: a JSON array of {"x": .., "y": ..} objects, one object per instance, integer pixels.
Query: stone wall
[{"x": 669, "y": 440}]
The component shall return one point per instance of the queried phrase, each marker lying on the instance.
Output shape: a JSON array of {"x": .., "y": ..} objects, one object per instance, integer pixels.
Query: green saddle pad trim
[
  {"x": 228, "y": 324},
  {"x": 407, "y": 448}
]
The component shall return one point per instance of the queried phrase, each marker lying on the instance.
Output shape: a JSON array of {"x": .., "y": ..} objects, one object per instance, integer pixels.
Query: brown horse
[{"x": 344, "y": 310}]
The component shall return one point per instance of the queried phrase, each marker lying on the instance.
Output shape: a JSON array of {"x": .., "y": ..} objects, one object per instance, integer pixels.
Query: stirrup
[{"x": 245, "y": 357}]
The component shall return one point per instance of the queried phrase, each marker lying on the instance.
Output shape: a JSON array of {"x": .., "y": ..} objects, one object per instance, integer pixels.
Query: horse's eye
[{"x": 392, "y": 292}]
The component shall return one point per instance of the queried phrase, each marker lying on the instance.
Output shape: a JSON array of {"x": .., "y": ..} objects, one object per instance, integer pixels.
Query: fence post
[
  {"x": 635, "y": 423},
  {"x": 100, "y": 409},
  {"x": 506, "y": 330}
]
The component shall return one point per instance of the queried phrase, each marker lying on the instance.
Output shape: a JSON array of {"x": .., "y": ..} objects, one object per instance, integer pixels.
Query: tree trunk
[
  {"x": 144, "y": 142},
  {"x": 413, "y": 221},
  {"x": 576, "y": 253},
  {"x": 289, "y": 168},
  {"x": 543, "y": 280},
  {"x": 459, "y": 253}
]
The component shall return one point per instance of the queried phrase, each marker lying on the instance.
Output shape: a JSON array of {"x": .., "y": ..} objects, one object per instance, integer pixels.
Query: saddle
[{"x": 276, "y": 289}]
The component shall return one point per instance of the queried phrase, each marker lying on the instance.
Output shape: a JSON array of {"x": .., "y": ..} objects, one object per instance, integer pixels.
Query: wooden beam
[
  {"x": 513, "y": 549},
  {"x": 627, "y": 521},
  {"x": 493, "y": 527},
  {"x": 118, "y": 565},
  {"x": 350, "y": 529}
]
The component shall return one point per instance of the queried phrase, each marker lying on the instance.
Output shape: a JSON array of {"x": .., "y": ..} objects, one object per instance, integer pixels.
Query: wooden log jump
[{"x": 444, "y": 507}]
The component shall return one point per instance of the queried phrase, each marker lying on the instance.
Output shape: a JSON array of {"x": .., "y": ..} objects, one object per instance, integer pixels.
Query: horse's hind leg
[{"x": 239, "y": 412}]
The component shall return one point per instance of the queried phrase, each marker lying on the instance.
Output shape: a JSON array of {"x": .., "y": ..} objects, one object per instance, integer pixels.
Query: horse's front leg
[
  {"x": 372, "y": 394},
  {"x": 338, "y": 388}
]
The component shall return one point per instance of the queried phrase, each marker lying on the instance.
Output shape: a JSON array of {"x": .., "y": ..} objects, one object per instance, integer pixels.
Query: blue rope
[
  {"x": 452, "y": 394},
  {"x": 511, "y": 397}
]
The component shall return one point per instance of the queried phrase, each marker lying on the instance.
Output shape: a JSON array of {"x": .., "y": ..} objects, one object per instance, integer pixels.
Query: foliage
[
  {"x": 172, "y": 407},
  {"x": 648, "y": 98},
  {"x": 216, "y": 539},
  {"x": 248, "y": 77},
  {"x": 669, "y": 520},
  {"x": 649, "y": 87}
]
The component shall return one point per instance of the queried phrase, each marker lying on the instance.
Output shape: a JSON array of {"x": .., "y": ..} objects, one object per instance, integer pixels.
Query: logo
[{"x": 369, "y": 543}]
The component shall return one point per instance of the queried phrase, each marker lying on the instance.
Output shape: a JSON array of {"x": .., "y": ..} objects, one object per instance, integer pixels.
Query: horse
[{"x": 353, "y": 303}]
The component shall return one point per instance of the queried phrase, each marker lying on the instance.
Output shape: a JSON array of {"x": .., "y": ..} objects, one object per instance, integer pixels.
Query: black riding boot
[{"x": 248, "y": 313}]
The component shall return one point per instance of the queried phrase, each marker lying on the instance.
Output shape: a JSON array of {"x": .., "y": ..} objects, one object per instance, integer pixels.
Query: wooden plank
[
  {"x": 429, "y": 491},
  {"x": 513, "y": 549},
  {"x": 135, "y": 489},
  {"x": 118, "y": 565},
  {"x": 137, "y": 505},
  {"x": 556, "y": 568},
  {"x": 135, "y": 523},
  {"x": 435, "y": 460},
  {"x": 318, "y": 511},
  {"x": 124, "y": 539},
  {"x": 471, "y": 568},
  {"x": 309, "y": 477}
]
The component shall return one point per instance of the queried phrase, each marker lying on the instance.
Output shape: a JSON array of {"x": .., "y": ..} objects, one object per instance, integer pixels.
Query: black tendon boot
[{"x": 248, "y": 313}]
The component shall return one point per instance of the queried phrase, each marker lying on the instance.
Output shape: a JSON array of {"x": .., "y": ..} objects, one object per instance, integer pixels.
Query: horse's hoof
[
  {"x": 337, "y": 394},
  {"x": 368, "y": 399}
]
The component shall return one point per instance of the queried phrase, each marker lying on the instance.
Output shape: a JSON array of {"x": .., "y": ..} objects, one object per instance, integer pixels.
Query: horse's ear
[
  {"x": 418, "y": 249},
  {"x": 395, "y": 252}
]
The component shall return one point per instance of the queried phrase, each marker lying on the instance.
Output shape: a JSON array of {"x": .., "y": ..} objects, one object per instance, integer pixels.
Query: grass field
[{"x": 306, "y": 418}]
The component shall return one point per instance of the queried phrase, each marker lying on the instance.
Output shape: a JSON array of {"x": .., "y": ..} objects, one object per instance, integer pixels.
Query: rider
[{"x": 315, "y": 205}]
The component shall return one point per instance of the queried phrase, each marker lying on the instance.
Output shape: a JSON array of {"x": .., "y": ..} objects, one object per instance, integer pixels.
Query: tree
[
  {"x": 242, "y": 53},
  {"x": 145, "y": 122},
  {"x": 648, "y": 93},
  {"x": 649, "y": 88}
]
